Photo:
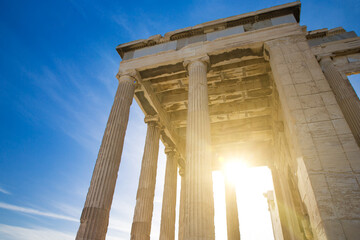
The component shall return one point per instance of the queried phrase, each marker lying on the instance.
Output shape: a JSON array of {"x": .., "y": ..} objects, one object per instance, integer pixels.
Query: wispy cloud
[
  {"x": 21, "y": 233},
  {"x": 33, "y": 211},
  {"x": 2, "y": 190},
  {"x": 72, "y": 99},
  {"x": 143, "y": 25},
  {"x": 135, "y": 29}
]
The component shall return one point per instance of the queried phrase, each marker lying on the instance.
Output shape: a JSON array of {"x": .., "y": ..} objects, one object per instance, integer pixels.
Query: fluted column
[
  {"x": 168, "y": 213},
  {"x": 345, "y": 96},
  {"x": 95, "y": 215},
  {"x": 232, "y": 218},
  {"x": 199, "y": 203},
  {"x": 141, "y": 226},
  {"x": 182, "y": 205}
]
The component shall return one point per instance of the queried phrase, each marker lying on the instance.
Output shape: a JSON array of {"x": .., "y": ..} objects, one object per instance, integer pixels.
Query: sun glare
[
  {"x": 234, "y": 169},
  {"x": 250, "y": 184}
]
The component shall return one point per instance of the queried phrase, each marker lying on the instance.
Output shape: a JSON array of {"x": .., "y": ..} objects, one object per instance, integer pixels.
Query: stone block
[
  {"x": 301, "y": 77},
  {"x": 294, "y": 103},
  {"x": 345, "y": 192},
  {"x": 282, "y": 69},
  {"x": 334, "y": 161},
  {"x": 128, "y": 55},
  {"x": 316, "y": 114},
  {"x": 343, "y": 185},
  {"x": 314, "y": 68},
  {"x": 283, "y": 19},
  {"x": 354, "y": 160},
  {"x": 290, "y": 91},
  {"x": 260, "y": 25},
  {"x": 303, "y": 46},
  {"x": 288, "y": 49},
  {"x": 341, "y": 126},
  {"x": 277, "y": 55},
  {"x": 340, "y": 60},
  {"x": 308, "y": 88},
  {"x": 322, "y": 84},
  {"x": 285, "y": 79},
  {"x": 186, "y": 41},
  {"x": 351, "y": 228},
  {"x": 312, "y": 163},
  {"x": 223, "y": 33},
  {"x": 328, "y": 144},
  {"x": 297, "y": 67},
  {"x": 155, "y": 49},
  {"x": 298, "y": 116},
  {"x": 294, "y": 56},
  {"x": 334, "y": 230},
  {"x": 326, "y": 208},
  {"x": 348, "y": 142},
  {"x": 321, "y": 129},
  {"x": 328, "y": 98},
  {"x": 311, "y": 101},
  {"x": 334, "y": 111}
]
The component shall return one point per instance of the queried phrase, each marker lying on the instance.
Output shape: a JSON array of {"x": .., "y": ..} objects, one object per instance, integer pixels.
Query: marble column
[
  {"x": 168, "y": 213},
  {"x": 345, "y": 96},
  {"x": 182, "y": 205},
  {"x": 95, "y": 215},
  {"x": 199, "y": 203},
  {"x": 141, "y": 226},
  {"x": 232, "y": 218}
]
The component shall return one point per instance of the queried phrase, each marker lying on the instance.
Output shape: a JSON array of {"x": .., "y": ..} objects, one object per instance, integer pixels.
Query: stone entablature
[{"x": 175, "y": 40}]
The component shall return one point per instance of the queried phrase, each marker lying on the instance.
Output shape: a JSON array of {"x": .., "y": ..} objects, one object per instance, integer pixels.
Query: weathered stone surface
[
  {"x": 182, "y": 205},
  {"x": 95, "y": 216},
  {"x": 199, "y": 202},
  {"x": 345, "y": 96},
  {"x": 141, "y": 226},
  {"x": 324, "y": 143},
  {"x": 168, "y": 213}
]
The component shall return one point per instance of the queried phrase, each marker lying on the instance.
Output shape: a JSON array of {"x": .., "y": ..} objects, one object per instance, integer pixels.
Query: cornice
[{"x": 216, "y": 25}]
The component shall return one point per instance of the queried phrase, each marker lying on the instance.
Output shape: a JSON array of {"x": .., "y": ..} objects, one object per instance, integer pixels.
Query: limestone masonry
[{"x": 254, "y": 83}]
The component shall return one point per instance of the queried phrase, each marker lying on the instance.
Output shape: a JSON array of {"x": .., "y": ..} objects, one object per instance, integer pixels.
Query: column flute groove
[
  {"x": 345, "y": 96},
  {"x": 199, "y": 202},
  {"x": 182, "y": 205},
  {"x": 141, "y": 226},
  {"x": 95, "y": 215},
  {"x": 168, "y": 213}
]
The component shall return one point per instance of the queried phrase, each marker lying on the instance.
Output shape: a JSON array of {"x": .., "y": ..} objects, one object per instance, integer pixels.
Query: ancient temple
[{"x": 256, "y": 82}]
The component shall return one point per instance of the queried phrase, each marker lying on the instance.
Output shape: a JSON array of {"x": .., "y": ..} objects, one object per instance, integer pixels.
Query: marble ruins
[{"x": 256, "y": 82}]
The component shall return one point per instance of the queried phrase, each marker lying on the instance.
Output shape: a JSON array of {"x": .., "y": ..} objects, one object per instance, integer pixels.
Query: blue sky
[{"x": 57, "y": 82}]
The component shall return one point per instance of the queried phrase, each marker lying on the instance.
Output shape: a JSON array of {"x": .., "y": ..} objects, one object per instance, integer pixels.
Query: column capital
[
  {"x": 153, "y": 120},
  {"x": 205, "y": 59},
  {"x": 327, "y": 57},
  {"x": 169, "y": 150},
  {"x": 129, "y": 75}
]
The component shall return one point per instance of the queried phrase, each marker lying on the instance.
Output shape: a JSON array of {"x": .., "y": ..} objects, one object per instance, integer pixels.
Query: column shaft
[
  {"x": 168, "y": 213},
  {"x": 95, "y": 215},
  {"x": 141, "y": 226},
  {"x": 232, "y": 218},
  {"x": 182, "y": 206},
  {"x": 345, "y": 96},
  {"x": 199, "y": 222}
]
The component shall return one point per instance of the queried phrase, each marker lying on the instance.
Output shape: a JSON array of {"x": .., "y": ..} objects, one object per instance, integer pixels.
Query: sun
[
  {"x": 250, "y": 184},
  {"x": 233, "y": 169}
]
